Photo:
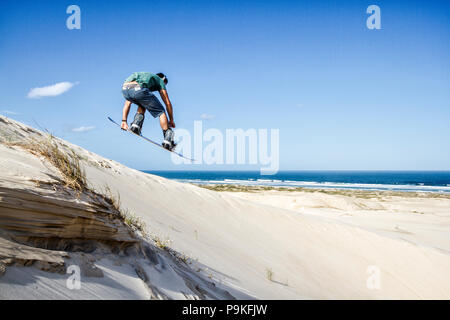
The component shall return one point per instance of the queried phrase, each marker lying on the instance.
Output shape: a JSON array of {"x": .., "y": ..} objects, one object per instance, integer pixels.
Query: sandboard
[{"x": 151, "y": 141}]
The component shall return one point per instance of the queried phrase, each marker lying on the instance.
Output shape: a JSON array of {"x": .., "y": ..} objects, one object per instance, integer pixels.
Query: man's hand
[
  {"x": 171, "y": 124},
  {"x": 124, "y": 125}
]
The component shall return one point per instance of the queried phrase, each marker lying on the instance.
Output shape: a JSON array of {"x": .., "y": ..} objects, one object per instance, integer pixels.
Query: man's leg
[
  {"x": 168, "y": 134},
  {"x": 152, "y": 104},
  {"x": 141, "y": 110},
  {"x": 163, "y": 121},
  {"x": 138, "y": 121}
]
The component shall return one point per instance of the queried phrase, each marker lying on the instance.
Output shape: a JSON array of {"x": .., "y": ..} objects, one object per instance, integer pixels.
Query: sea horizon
[{"x": 397, "y": 180}]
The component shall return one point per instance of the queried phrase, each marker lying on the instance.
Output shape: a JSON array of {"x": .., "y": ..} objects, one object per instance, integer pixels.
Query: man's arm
[
  {"x": 126, "y": 110},
  {"x": 165, "y": 98}
]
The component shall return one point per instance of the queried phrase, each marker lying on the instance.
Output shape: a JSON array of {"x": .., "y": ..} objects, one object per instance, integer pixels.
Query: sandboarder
[{"x": 138, "y": 89}]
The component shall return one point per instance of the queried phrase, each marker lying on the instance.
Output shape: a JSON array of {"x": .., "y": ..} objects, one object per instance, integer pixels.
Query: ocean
[{"x": 426, "y": 181}]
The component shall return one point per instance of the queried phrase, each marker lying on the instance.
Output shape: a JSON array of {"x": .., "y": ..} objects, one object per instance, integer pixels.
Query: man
[{"x": 138, "y": 89}]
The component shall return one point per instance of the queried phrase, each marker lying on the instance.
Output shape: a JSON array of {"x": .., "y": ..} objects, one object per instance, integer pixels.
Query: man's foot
[
  {"x": 138, "y": 121},
  {"x": 168, "y": 140}
]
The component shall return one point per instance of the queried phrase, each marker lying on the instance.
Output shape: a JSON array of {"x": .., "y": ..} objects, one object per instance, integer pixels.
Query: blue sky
[{"x": 343, "y": 96}]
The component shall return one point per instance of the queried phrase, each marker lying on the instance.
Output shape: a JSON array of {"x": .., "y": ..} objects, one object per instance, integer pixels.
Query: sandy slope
[
  {"x": 45, "y": 228},
  {"x": 423, "y": 220},
  {"x": 235, "y": 242},
  {"x": 310, "y": 257}
]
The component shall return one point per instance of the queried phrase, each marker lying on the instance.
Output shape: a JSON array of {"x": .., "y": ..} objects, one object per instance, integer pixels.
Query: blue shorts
[{"x": 143, "y": 97}]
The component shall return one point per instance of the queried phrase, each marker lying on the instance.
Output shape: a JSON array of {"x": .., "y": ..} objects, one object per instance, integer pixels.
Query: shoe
[
  {"x": 168, "y": 140},
  {"x": 138, "y": 121},
  {"x": 135, "y": 129}
]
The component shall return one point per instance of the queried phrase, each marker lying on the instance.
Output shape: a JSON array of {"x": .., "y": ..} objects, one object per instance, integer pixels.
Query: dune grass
[
  {"x": 365, "y": 194},
  {"x": 68, "y": 164},
  {"x": 66, "y": 161},
  {"x": 128, "y": 217},
  {"x": 269, "y": 274}
]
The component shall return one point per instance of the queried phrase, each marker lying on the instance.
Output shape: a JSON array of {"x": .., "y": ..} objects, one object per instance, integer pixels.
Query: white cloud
[
  {"x": 83, "y": 129},
  {"x": 51, "y": 91},
  {"x": 12, "y": 113},
  {"x": 205, "y": 116}
]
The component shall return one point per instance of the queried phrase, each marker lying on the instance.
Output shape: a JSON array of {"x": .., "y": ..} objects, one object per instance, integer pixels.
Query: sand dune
[
  {"x": 237, "y": 248},
  {"x": 420, "y": 218}
]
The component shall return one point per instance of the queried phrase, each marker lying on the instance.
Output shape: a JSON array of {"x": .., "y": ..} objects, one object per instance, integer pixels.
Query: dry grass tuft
[
  {"x": 269, "y": 274},
  {"x": 162, "y": 244},
  {"x": 67, "y": 162},
  {"x": 129, "y": 218}
]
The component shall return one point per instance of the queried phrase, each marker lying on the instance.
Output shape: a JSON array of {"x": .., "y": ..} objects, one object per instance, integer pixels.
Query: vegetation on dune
[
  {"x": 366, "y": 194},
  {"x": 269, "y": 274},
  {"x": 68, "y": 164},
  {"x": 129, "y": 218},
  {"x": 66, "y": 161},
  {"x": 136, "y": 223}
]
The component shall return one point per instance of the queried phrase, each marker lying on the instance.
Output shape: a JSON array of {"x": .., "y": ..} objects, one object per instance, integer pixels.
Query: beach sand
[{"x": 422, "y": 218}]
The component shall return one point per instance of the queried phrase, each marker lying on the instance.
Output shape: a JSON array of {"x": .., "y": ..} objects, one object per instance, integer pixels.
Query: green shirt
[{"x": 148, "y": 80}]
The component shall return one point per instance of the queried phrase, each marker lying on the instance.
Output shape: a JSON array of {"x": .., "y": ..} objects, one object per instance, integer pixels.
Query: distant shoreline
[
  {"x": 404, "y": 181},
  {"x": 358, "y": 193}
]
